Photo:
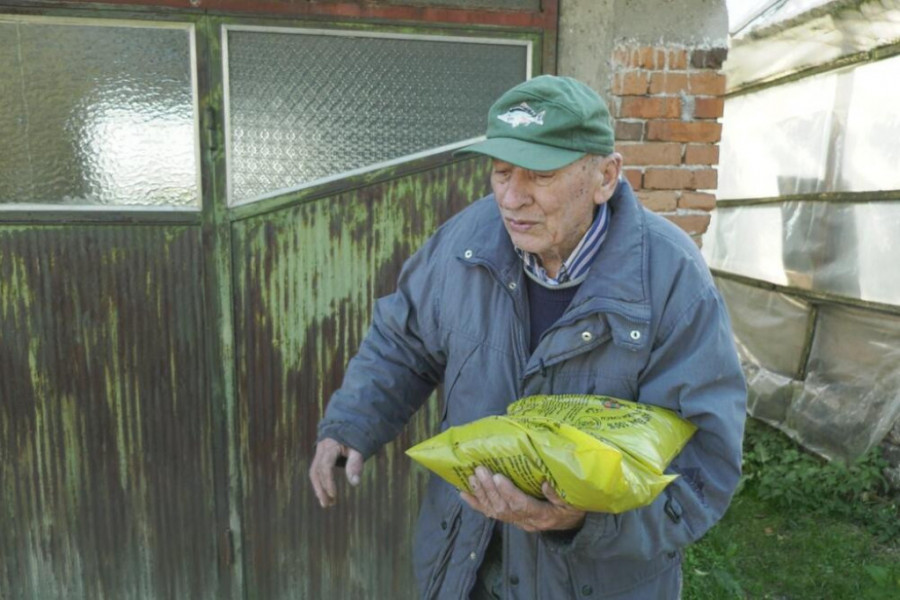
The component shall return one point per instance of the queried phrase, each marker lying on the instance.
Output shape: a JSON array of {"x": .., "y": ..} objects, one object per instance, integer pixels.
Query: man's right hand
[{"x": 321, "y": 471}]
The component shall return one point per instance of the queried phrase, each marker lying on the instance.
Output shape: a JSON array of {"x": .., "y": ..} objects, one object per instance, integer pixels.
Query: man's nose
[{"x": 518, "y": 192}]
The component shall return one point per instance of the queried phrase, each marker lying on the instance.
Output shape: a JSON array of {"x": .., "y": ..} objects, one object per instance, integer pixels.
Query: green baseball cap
[{"x": 546, "y": 123}]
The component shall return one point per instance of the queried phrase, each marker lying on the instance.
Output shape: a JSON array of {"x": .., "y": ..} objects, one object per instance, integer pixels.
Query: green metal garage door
[{"x": 197, "y": 210}]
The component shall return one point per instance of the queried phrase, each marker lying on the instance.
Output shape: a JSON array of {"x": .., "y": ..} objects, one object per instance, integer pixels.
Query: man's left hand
[{"x": 497, "y": 497}]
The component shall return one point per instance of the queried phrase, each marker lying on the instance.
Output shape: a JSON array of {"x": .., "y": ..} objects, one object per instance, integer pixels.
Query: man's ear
[{"x": 609, "y": 172}]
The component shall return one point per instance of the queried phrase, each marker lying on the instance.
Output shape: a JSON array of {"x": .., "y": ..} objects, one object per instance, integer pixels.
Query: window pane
[
  {"x": 871, "y": 153},
  {"x": 96, "y": 114},
  {"x": 306, "y": 106},
  {"x": 775, "y": 142}
]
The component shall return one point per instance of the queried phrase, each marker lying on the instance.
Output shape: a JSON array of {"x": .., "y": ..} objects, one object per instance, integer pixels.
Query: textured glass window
[
  {"x": 96, "y": 114},
  {"x": 775, "y": 142},
  {"x": 303, "y": 106}
]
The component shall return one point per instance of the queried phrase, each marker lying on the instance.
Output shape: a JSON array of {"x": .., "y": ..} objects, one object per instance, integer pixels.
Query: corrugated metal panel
[
  {"x": 105, "y": 454},
  {"x": 305, "y": 279}
]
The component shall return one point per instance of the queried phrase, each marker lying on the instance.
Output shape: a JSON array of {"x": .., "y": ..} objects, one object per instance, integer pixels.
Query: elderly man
[{"x": 559, "y": 282}]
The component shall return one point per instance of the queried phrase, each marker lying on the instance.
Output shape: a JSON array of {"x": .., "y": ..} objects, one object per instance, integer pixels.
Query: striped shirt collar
[{"x": 576, "y": 267}]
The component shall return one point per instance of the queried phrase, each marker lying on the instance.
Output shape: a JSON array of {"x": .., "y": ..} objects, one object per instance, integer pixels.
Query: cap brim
[{"x": 528, "y": 155}]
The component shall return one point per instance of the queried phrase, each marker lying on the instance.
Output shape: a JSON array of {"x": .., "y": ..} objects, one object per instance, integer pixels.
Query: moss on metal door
[
  {"x": 164, "y": 361},
  {"x": 304, "y": 287}
]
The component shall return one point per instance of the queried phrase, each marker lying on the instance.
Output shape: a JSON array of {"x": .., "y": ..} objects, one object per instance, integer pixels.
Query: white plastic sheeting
[
  {"x": 812, "y": 169},
  {"x": 775, "y": 142},
  {"x": 770, "y": 12},
  {"x": 771, "y": 326},
  {"x": 833, "y": 132},
  {"x": 849, "y": 395},
  {"x": 818, "y": 37},
  {"x": 838, "y": 390},
  {"x": 870, "y": 154},
  {"x": 846, "y": 249},
  {"x": 742, "y": 12},
  {"x": 770, "y": 331}
]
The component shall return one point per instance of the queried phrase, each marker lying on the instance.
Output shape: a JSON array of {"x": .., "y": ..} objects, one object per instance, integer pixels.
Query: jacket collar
[{"x": 620, "y": 273}]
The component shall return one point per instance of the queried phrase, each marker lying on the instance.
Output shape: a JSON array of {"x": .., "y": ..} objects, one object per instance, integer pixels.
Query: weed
[
  {"x": 800, "y": 528},
  {"x": 788, "y": 477}
]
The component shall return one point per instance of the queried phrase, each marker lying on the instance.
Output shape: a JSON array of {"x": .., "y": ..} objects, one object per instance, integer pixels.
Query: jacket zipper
[
  {"x": 520, "y": 345},
  {"x": 519, "y": 349}
]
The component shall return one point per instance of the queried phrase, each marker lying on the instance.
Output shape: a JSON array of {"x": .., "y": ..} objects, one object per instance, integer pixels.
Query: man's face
[{"x": 548, "y": 212}]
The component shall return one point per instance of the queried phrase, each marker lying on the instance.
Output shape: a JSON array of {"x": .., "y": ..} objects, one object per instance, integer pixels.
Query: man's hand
[
  {"x": 321, "y": 471},
  {"x": 497, "y": 497}
]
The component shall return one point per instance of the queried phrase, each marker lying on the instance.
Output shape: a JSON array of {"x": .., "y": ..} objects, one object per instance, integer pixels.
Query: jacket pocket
[
  {"x": 436, "y": 532},
  {"x": 624, "y": 578},
  {"x": 450, "y": 525}
]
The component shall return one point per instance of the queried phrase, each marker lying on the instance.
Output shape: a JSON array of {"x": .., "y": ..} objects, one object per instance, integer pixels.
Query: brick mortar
[{"x": 671, "y": 95}]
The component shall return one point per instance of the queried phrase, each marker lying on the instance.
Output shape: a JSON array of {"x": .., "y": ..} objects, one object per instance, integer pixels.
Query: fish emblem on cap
[{"x": 522, "y": 115}]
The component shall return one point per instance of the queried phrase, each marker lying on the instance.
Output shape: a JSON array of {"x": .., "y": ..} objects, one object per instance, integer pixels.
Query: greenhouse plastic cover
[
  {"x": 835, "y": 132},
  {"x": 803, "y": 240},
  {"x": 843, "y": 397},
  {"x": 792, "y": 41},
  {"x": 847, "y": 249}
]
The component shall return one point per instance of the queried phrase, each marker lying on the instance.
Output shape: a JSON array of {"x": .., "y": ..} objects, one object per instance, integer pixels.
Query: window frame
[{"x": 464, "y": 37}]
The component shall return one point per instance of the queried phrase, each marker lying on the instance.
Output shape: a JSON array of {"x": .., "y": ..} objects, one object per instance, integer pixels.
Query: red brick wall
[{"x": 667, "y": 101}]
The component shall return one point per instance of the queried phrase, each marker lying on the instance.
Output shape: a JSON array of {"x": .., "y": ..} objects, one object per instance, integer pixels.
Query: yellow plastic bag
[{"x": 599, "y": 453}]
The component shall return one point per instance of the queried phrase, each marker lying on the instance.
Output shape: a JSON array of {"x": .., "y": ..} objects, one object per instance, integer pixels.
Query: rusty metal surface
[
  {"x": 127, "y": 454},
  {"x": 105, "y": 455},
  {"x": 305, "y": 279}
]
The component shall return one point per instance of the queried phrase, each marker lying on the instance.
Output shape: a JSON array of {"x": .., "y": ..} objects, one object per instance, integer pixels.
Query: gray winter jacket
[{"x": 647, "y": 325}]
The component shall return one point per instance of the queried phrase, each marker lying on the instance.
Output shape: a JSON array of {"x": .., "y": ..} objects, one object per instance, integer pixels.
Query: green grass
[{"x": 800, "y": 528}]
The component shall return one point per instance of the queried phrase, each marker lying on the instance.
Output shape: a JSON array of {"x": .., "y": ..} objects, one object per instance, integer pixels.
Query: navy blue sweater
[{"x": 546, "y": 306}]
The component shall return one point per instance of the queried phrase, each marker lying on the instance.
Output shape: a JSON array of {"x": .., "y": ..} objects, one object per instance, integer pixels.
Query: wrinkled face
[{"x": 548, "y": 212}]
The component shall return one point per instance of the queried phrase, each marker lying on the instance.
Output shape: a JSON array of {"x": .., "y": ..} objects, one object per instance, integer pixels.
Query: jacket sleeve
[
  {"x": 398, "y": 364},
  {"x": 694, "y": 364}
]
